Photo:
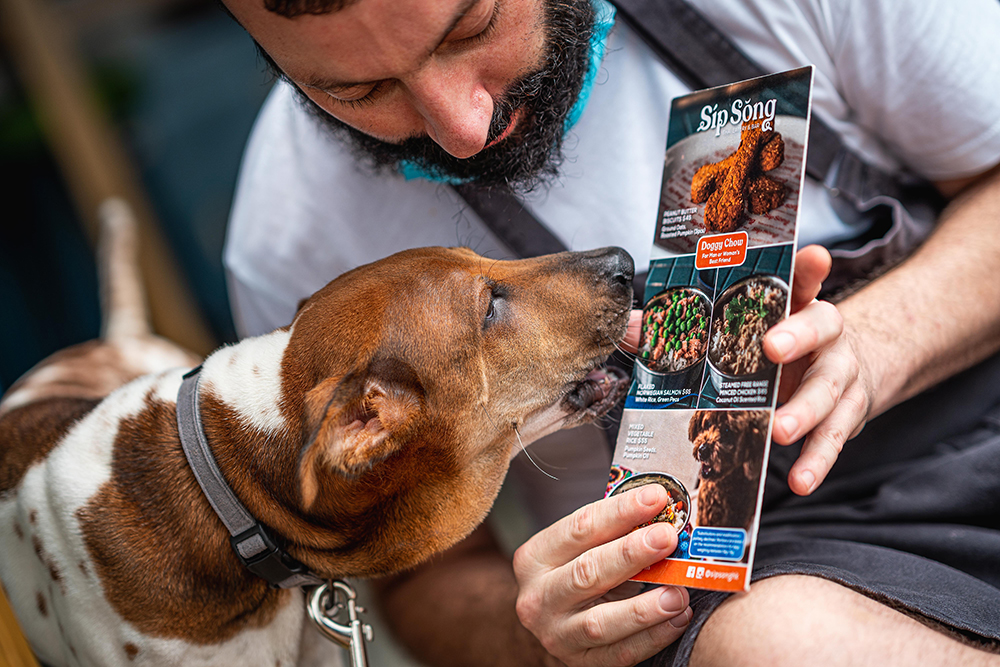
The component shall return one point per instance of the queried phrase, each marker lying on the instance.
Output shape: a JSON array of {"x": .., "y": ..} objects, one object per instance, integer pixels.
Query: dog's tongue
[{"x": 597, "y": 386}]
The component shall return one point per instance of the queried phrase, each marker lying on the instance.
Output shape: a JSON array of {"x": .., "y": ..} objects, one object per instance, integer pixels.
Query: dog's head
[
  {"x": 728, "y": 442},
  {"x": 420, "y": 376}
]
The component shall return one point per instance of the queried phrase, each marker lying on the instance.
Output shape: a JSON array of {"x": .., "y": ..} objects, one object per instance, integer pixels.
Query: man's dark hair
[{"x": 292, "y": 8}]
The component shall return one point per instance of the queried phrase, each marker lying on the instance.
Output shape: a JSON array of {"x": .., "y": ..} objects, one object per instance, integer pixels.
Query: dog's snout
[
  {"x": 620, "y": 267},
  {"x": 611, "y": 264}
]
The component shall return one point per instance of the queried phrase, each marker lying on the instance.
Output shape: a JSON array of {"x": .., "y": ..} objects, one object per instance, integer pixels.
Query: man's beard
[{"x": 532, "y": 153}]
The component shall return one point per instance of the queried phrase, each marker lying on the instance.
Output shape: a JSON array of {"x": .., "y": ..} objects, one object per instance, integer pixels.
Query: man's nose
[{"x": 455, "y": 106}]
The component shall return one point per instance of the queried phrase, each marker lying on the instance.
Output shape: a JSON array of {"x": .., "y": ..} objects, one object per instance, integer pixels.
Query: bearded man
[{"x": 385, "y": 103}]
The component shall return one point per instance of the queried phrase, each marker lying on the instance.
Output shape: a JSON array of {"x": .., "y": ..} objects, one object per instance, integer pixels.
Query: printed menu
[{"x": 700, "y": 407}]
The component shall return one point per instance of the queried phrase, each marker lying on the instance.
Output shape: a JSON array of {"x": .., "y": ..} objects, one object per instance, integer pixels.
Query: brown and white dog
[{"x": 372, "y": 432}]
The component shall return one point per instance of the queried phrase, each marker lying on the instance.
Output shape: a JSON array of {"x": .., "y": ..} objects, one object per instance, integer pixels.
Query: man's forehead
[{"x": 354, "y": 44}]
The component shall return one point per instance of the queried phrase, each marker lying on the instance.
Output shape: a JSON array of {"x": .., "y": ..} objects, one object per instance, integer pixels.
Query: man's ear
[{"x": 354, "y": 422}]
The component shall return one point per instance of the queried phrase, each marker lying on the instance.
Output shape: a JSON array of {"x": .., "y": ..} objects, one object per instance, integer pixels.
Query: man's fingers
[
  {"x": 812, "y": 266},
  {"x": 641, "y": 645},
  {"x": 813, "y": 327},
  {"x": 600, "y": 569},
  {"x": 823, "y": 446},
  {"x": 633, "y": 331},
  {"x": 568, "y": 566},
  {"x": 613, "y": 622},
  {"x": 590, "y": 526},
  {"x": 821, "y": 391}
]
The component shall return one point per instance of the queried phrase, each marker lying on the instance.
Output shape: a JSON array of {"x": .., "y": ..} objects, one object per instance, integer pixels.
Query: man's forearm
[
  {"x": 459, "y": 609},
  {"x": 938, "y": 312}
]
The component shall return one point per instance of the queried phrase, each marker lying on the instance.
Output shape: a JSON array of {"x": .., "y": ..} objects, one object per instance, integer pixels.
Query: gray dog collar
[{"x": 253, "y": 546}]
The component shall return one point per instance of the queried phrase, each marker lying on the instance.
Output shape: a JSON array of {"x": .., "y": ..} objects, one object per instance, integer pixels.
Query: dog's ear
[{"x": 355, "y": 422}]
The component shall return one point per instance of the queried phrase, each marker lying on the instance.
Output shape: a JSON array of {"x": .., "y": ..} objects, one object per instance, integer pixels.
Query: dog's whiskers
[
  {"x": 553, "y": 466},
  {"x": 618, "y": 346},
  {"x": 519, "y": 441},
  {"x": 525, "y": 450}
]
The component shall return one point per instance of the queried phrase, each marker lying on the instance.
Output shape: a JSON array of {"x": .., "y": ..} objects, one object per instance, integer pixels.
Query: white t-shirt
[{"x": 914, "y": 82}]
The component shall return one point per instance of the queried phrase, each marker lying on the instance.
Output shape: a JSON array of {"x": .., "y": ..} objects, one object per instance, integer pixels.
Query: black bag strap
[{"x": 510, "y": 221}]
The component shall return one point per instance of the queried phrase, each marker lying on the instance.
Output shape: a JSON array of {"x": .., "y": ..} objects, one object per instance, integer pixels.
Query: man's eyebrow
[
  {"x": 327, "y": 84},
  {"x": 459, "y": 15}
]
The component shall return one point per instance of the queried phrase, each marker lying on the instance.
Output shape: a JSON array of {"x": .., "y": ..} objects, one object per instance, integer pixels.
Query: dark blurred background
[{"x": 179, "y": 84}]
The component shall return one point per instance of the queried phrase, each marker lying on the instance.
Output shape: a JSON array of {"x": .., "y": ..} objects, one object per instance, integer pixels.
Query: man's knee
[{"x": 800, "y": 620}]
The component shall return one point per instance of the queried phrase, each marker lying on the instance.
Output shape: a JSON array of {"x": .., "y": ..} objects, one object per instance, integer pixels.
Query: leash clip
[{"x": 325, "y": 604}]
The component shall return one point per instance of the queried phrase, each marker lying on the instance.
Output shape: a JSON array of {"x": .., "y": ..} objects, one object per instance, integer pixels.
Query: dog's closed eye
[{"x": 494, "y": 309}]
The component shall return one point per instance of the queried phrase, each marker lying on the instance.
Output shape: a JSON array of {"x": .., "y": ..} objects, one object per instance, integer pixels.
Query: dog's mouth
[
  {"x": 598, "y": 392},
  {"x": 710, "y": 469},
  {"x": 703, "y": 455}
]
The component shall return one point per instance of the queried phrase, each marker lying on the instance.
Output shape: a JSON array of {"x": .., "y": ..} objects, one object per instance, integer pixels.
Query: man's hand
[
  {"x": 826, "y": 386},
  {"x": 574, "y": 594},
  {"x": 900, "y": 334}
]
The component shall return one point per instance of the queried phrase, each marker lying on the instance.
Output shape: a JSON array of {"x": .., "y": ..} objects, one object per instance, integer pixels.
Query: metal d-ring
[{"x": 324, "y": 605}]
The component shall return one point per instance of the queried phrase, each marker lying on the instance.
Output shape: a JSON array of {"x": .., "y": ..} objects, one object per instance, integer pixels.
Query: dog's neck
[
  {"x": 254, "y": 417},
  {"x": 255, "y": 436},
  {"x": 247, "y": 378}
]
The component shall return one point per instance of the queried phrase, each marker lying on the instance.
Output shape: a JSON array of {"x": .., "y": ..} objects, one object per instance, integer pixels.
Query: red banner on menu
[{"x": 721, "y": 250}]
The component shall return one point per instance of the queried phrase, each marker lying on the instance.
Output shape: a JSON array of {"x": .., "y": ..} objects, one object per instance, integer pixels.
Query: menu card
[{"x": 699, "y": 411}]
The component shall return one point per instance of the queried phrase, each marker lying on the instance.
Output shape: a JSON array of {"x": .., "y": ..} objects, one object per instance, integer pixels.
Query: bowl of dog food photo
[
  {"x": 742, "y": 315},
  {"x": 673, "y": 340},
  {"x": 678, "y": 508}
]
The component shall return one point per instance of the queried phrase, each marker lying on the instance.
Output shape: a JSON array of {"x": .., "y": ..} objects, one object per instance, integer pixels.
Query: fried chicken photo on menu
[{"x": 737, "y": 183}]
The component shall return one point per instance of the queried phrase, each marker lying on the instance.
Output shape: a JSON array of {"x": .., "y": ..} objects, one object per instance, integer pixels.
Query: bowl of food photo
[
  {"x": 674, "y": 339},
  {"x": 678, "y": 508},
  {"x": 742, "y": 315}
]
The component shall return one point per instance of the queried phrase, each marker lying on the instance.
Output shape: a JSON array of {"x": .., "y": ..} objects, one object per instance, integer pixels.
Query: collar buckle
[{"x": 259, "y": 554}]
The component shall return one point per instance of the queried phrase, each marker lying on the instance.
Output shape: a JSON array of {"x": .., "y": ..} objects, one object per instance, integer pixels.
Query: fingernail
[
  {"x": 790, "y": 425},
  {"x": 671, "y": 600},
  {"x": 660, "y": 536},
  {"x": 650, "y": 495},
  {"x": 682, "y": 620},
  {"x": 808, "y": 479},
  {"x": 782, "y": 342}
]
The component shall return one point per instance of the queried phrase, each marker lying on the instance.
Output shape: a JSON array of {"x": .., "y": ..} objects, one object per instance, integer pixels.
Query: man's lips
[{"x": 514, "y": 118}]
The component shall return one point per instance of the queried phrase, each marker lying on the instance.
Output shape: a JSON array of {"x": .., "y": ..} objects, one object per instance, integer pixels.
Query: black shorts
[{"x": 909, "y": 516}]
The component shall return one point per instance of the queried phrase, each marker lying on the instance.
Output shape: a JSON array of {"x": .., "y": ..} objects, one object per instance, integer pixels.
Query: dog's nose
[{"x": 615, "y": 265}]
